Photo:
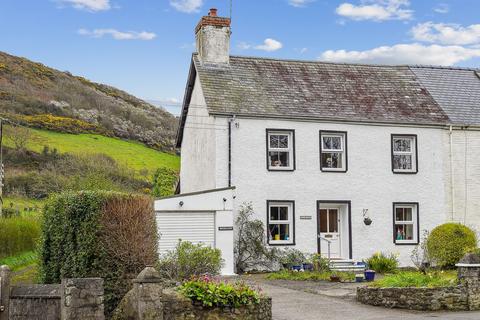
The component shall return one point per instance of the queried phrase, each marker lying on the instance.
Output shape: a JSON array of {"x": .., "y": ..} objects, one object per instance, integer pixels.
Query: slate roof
[
  {"x": 262, "y": 87},
  {"x": 456, "y": 90},
  {"x": 287, "y": 88}
]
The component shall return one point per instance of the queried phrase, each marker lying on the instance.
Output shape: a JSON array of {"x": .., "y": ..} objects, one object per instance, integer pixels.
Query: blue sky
[{"x": 144, "y": 46}]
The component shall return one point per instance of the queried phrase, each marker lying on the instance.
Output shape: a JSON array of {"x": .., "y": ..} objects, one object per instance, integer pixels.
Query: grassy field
[
  {"x": 132, "y": 154},
  {"x": 23, "y": 204}
]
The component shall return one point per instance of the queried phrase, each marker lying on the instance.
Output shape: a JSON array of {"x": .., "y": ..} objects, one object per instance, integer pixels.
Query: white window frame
[
  {"x": 290, "y": 149},
  {"x": 413, "y": 152},
  {"x": 342, "y": 150},
  {"x": 414, "y": 222},
  {"x": 290, "y": 222}
]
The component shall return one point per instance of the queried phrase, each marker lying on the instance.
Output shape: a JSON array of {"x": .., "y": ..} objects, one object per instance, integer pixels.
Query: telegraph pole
[{"x": 2, "y": 169}]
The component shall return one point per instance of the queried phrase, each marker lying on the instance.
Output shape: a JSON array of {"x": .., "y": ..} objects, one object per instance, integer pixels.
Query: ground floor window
[
  {"x": 280, "y": 221},
  {"x": 405, "y": 223}
]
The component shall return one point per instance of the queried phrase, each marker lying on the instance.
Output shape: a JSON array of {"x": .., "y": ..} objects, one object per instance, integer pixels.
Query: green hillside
[{"x": 129, "y": 153}]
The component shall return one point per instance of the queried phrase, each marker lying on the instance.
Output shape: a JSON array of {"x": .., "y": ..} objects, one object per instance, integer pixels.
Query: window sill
[
  {"x": 281, "y": 243},
  {"x": 406, "y": 242},
  {"x": 404, "y": 172},
  {"x": 281, "y": 169},
  {"x": 333, "y": 170}
]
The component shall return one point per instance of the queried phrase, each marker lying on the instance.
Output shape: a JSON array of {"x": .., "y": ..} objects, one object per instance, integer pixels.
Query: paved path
[{"x": 292, "y": 304}]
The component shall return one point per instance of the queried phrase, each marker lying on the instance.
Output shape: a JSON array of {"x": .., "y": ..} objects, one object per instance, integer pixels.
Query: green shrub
[
  {"x": 291, "y": 257},
  {"x": 449, "y": 242},
  {"x": 310, "y": 275},
  {"x": 188, "y": 260},
  {"x": 417, "y": 279},
  {"x": 218, "y": 294},
  {"x": 18, "y": 234},
  {"x": 98, "y": 234},
  {"x": 320, "y": 263},
  {"x": 164, "y": 182},
  {"x": 383, "y": 263}
]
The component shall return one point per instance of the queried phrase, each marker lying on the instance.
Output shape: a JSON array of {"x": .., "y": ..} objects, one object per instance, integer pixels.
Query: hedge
[{"x": 98, "y": 234}]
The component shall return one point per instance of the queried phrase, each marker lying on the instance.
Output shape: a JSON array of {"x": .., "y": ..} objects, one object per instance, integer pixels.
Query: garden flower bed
[{"x": 310, "y": 275}]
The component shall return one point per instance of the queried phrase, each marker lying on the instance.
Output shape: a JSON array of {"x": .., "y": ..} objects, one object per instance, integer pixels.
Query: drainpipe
[
  {"x": 230, "y": 121},
  {"x": 465, "y": 177},
  {"x": 452, "y": 178}
]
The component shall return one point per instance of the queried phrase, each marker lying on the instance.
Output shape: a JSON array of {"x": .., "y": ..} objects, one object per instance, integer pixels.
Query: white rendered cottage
[{"x": 318, "y": 147}]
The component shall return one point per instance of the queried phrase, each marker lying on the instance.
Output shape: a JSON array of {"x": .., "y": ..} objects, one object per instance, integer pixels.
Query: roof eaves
[{"x": 186, "y": 102}]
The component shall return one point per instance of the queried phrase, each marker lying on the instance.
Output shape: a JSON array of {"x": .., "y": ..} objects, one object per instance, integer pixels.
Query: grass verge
[{"x": 403, "y": 279}]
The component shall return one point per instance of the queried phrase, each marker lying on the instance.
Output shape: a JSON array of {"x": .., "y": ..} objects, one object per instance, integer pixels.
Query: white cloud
[
  {"x": 269, "y": 45},
  {"x": 442, "y": 8},
  {"x": 90, "y": 5},
  {"x": 187, "y": 6},
  {"x": 405, "y": 54},
  {"x": 299, "y": 3},
  {"x": 447, "y": 33},
  {"x": 376, "y": 10},
  {"x": 118, "y": 35}
]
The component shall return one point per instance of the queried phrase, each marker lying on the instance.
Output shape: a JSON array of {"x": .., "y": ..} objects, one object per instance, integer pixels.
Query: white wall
[
  {"x": 466, "y": 173},
  {"x": 219, "y": 202},
  {"x": 368, "y": 184},
  {"x": 198, "y": 146}
]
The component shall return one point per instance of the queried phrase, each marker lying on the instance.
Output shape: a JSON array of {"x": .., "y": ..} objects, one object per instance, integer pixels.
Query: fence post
[
  {"x": 4, "y": 292},
  {"x": 469, "y": 276}
]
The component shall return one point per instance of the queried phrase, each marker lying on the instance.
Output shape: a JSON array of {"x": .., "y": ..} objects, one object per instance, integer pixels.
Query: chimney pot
[{"x": 213, "y": 12}]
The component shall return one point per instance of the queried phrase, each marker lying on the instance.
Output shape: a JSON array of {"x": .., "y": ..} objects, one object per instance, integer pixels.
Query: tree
[
  {"x": 19, "y": 135},
  {"x": 251, "y": 250}
]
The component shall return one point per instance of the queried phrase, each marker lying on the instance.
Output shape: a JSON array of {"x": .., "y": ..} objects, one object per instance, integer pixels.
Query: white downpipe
[
  {"x": 452, "y": 177},
  {"x": 466, "y": 179}
]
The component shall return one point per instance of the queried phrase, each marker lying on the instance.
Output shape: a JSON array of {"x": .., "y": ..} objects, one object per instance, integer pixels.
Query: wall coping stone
[{"x": 468, "y": 265}]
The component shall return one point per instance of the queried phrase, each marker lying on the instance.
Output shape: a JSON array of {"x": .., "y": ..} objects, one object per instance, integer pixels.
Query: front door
[{"x": 329, "y": 220}]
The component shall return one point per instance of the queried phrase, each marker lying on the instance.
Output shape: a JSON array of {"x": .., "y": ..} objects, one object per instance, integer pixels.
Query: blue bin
[
  {"x": 369, "y": 275},
  {"x": 307, "y": 267}
]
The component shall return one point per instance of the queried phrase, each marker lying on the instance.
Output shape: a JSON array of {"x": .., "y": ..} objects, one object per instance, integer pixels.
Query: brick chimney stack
[{"x": 213, "y": 39}]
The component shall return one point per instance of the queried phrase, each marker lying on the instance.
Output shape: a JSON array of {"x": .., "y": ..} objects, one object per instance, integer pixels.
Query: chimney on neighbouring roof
[{"x": 213, "y": 39}]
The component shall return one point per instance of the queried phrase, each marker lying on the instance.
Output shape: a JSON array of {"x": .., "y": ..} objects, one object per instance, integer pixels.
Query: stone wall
[
  {"x": 32, "y": 302},
  {"x": 73, "y": 299},
  {"x": 432, "y": 299},
  {"x": 177, "y": 307},
  {"x": 82, "y": 299},
  {"x": 465, "y": 296},
  {"x": 150, "y": 300}
]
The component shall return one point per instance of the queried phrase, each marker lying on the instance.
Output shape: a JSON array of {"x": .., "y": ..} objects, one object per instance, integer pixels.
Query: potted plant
[
  {"x": 292, "y": 259},
  {"x": 334, "y": 277}
]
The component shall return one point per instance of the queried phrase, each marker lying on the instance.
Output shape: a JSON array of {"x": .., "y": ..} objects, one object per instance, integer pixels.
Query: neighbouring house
[{"x": 320, "y": 149}]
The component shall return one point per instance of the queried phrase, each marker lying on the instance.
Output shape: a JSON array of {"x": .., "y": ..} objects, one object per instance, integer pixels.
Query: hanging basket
[{"x": 367, "y": 221}]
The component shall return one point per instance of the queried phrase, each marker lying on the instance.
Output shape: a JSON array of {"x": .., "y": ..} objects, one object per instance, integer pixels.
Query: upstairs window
[
  {"x": 280, "y": 150},
  {"x": 404, "y": 154},
  {"x": 280, "y": 222},
  {"x": 405, "y": 223},
  {"x": 333, "y": 151}
]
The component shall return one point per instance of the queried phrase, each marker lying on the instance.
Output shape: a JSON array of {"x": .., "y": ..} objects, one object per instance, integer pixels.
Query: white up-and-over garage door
[{"x": 195, "y": 227}]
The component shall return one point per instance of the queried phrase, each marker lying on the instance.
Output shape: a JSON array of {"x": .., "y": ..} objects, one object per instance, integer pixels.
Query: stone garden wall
[
  {"x": 73, "y": 299},
  {"x": 449, "y": 298},
  {"x": 465, "y": 296},
  {"x": 150, "y": 300}
]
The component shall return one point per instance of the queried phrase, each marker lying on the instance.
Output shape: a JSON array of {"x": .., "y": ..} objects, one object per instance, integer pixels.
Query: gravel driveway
[{"x": 322, "y": 300}]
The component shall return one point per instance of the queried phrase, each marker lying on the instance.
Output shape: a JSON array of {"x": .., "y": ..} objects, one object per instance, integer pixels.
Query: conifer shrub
[
  {"x": 98, "y": 234},
  {"x": 449, "y": 242}
]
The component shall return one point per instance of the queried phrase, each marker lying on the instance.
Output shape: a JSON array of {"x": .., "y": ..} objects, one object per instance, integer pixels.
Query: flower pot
[
  {"x": 307, "y": 267},
  {"x": 296, "y": 267},
  {"x": 334, "y": 278},
  {"x": 359, "y": 277},
  {"x": 369, "y": 275}
]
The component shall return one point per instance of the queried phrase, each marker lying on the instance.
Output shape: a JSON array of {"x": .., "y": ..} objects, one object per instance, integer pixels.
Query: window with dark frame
[
  {"x": 280, "y": 150},
  {"x": 404, "y": 153},
  {"x": 333, "y": 151},
  {"x": 280, "y": 222},
  {"x": 406, "y": 227}
]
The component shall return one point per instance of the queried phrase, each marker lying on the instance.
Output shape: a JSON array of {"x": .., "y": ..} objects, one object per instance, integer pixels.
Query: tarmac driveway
[{"x": 313, "y": 300}]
